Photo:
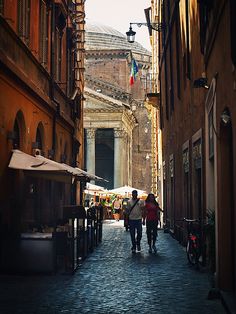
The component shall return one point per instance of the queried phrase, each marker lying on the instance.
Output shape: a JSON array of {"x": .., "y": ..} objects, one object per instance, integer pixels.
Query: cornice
[
  {"x": 127, "y": 54},
  {"x": 100, "y": 110},
  {"x": 107, "y": 52}
]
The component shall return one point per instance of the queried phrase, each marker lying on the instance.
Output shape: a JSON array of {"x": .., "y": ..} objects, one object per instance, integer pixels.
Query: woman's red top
[{"x": 152, "y": 211}]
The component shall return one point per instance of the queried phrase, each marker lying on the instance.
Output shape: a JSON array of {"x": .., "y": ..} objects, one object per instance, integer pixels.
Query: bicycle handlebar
[{"x": 188, "y": 220}]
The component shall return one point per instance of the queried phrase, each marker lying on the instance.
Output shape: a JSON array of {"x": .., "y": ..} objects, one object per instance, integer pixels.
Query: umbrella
[
  {"x": 93, "y": 189},
  {"x": 126, "y": 191}
]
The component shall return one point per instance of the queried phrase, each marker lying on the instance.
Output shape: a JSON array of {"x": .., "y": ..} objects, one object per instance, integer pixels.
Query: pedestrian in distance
[
  {"x": 125, "y": 214},
  {"x": 135, "y": 211},
  {"x": 117, "y": 208},
  {"x": 151, "y": 215}
]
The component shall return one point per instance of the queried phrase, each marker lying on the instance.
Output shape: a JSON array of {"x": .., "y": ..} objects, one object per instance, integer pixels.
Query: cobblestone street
[{"x": 112, "y": 280}]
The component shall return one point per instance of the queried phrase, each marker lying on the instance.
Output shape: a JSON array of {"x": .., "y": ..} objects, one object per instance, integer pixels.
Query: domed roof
[{"x": 102, "y": 37}]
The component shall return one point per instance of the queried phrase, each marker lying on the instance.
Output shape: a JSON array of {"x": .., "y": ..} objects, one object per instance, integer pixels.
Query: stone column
[
  {"x": 130, "y": 146},
  {"x": 125, "y": 159},
  {"x": 90, "y": 160},
  {"x": 118, "y": 157}
]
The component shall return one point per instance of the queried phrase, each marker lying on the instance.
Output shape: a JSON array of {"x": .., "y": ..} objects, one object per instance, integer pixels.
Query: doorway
[
  {"x": 104, "y": 159},
  {"x": 227, "y": 273}
]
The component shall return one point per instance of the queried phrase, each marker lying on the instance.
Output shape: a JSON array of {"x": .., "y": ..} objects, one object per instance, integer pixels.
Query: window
[
  {"x": 23, "y": 24},
  {"x": 70, "y": 61},
  {"x": 1, "y": 7},
  {"x": 16, "y": 141},
  {"x": 204, "y": 11},
  {"x": 177, "y": 41},
  {"x": 232, "y": 30},
  {"x": 59, "y": 29},
  {"x": 43, "y": 34},
  {"x": 166, "y": 91},
  {"x": 58, "y": 42},
  {"x": 188, "y": 66},
  {"x": 39, "y": 139}
]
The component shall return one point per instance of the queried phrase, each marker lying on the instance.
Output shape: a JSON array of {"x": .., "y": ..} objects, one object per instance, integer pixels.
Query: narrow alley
[{"x": 113, "y": 280}]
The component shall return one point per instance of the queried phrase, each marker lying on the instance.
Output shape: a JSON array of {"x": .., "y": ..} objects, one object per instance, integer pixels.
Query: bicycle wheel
[{"x": 192, "y": 253}]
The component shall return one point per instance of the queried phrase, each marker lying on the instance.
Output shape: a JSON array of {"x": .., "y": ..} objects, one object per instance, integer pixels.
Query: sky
[{"x": 118, "y": 14}]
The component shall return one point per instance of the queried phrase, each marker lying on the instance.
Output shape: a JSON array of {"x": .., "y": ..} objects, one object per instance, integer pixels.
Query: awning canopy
[
  {"x": 93, "y": 189},
  {"x": 126, "y": 191},
  {"x": 46, "y": 168}
]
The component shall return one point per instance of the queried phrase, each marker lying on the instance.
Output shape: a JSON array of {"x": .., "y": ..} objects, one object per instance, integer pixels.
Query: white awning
[
  {"x": 90, "y": 175},
  {"x": 43, "y": 167}
]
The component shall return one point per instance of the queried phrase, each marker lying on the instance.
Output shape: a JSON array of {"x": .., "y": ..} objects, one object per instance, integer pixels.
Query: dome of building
[{"x": 102, "y": 37}]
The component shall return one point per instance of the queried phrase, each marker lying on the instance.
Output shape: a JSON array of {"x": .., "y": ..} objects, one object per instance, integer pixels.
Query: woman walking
[{"x": 151, "y": 214}]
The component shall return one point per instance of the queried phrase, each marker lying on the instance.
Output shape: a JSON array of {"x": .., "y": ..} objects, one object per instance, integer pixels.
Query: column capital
[
  {"x": 91, "y": 133},
  {"x": 119, "y": 133}
]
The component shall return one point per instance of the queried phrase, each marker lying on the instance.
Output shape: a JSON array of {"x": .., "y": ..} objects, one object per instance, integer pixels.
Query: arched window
[
  {"x": 18, "y": 131},
  {"x": 39, "y": 139},
  {"x": 16, "y": 138}
]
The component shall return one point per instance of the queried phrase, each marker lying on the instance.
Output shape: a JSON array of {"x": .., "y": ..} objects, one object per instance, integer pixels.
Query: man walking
[{"x": 135, "y": 211}]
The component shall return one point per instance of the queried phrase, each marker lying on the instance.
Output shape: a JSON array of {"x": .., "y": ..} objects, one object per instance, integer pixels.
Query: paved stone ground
[{"x": 112, "y": 280}]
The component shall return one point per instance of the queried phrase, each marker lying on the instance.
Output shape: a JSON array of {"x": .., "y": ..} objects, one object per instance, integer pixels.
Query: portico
[{"x": 105, "y": 114}]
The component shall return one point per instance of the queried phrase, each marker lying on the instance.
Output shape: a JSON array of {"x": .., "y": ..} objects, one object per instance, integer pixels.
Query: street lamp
[
  {"x": 131, "y": 34},
  {"x": 200, "y": 82},
  {"x": 225, "y": 117}
]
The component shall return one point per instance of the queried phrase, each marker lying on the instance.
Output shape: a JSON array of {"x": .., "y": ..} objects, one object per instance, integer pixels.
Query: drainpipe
[{"x": 53, "y": 75}]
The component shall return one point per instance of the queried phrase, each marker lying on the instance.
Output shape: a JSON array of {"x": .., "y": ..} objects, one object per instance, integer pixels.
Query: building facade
[
  {"x": 41, "y": 110},
  {"x": 197, "y": 92},
  {"x": 117, "y": 124}
]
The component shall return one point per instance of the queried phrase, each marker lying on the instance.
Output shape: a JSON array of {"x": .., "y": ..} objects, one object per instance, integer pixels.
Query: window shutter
[
  {"x": 23, "y": 23},
  {"x": 20, "y": 10},
  {"x": 43, "y": 31}
]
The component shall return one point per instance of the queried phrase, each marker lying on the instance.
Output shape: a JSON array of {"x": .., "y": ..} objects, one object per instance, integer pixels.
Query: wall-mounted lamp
[
  {"x": 200, "y": 82},
  {"x": 131, "y": 34},
  {"x": 225, "y": 117}
]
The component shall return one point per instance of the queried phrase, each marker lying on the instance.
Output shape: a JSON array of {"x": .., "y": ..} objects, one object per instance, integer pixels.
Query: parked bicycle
[{"x": 193, "y": 247}]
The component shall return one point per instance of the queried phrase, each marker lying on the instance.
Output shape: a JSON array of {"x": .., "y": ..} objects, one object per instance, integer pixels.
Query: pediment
[{"x": 96, "y": 101}]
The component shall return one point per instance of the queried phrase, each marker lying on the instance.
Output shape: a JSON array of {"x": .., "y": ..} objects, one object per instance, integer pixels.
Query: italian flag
[{"x": 134, "y": 72}]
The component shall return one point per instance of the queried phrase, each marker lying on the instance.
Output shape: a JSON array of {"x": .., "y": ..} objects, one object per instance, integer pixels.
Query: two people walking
[{"x": 141, "y": 212}]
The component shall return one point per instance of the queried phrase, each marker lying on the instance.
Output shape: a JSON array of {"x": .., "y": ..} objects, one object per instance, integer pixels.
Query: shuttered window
[
  {"x": 23, "y": 20},
  {"x": 58, "y": 44},
  {"x": 43, "y": 34}
]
